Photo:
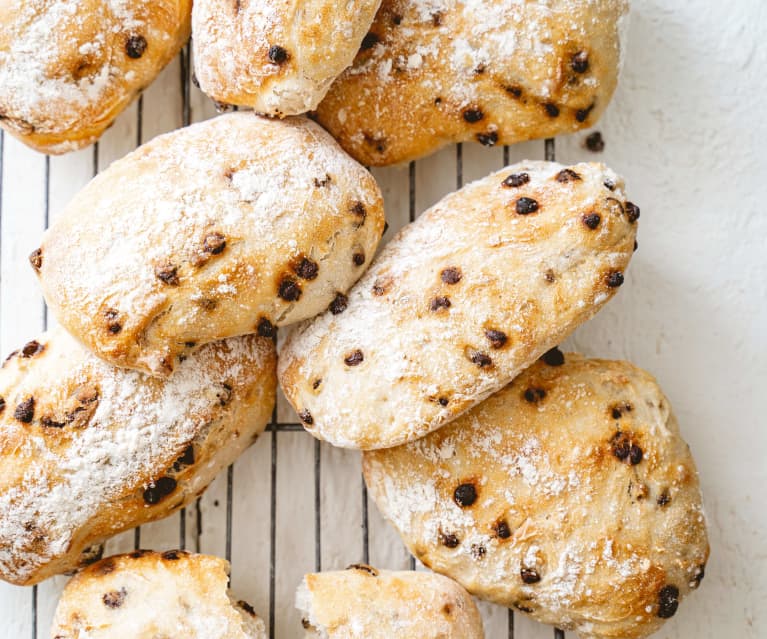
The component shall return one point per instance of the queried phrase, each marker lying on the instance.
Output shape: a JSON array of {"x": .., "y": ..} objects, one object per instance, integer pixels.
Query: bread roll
[
  {"x": 460, "y": 302},
  {"x": 227, "y": 227},
  {"x": 149, "y": 595},
  {"x": 431, "y": 73},
  {"x": 364, "y": 603},
  {"x": 68, "y": 69},
  {"x": 569, "y": 495},
  {"x": 88, "y": 450},
  {"x": 277, "y": 57}
]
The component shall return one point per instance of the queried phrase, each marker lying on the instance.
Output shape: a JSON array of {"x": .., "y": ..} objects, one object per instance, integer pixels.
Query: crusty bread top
[
  {"x": 461, "y": 301},
  {"x": 149, "y": 595},
  {"x": 209, "y": 232},
  {"x": 432, "y": 72},
  {"x": 77, "y": 434},
  {"x": 68, "y": 68},
  {"x": 278, "y": 57},
  {"x": 570, "y": 495},
  {"x": 365, "y": 603}
]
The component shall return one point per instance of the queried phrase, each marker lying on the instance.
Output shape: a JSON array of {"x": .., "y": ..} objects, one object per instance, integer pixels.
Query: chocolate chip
[
  {"x": 632, "y": 210},
  {"x": 609, "y": 185},
  {"x": 534, "y": 395},
  {"x": 278, "y": 55},
  {"x": 289, "y": 289},
  {"x": 247, "y": 608},
  {"x": 319, "y": 183},
  {"x": 2, "y": 404},
  {"x": 635, "y": 454},
  {"x": 306, "y": 417},
  {"x": 396, "y": 19},
  {"x": 138, "y": 554},
  {"x": 306, "y": 269},
  {"x": 224, "y": 394},
  {"x": 115, "y": 598},
  {"x": 451, "y": 275},
  {"x": 501, "y": 529},
  {"x": 592, "y": 220},
  {"x": 636, "y": 245},
  {"x": 437, "y": 100},
  {"x": 49, "y": 422},
  {"x": 135, "y": 46},
  {"x": 553, "y": 357},
  {"x": 364, "y": 568},
  {"x": 436, "y": 18},
  {"x": 595, "y": 143},
  {"x": 186, "y": 459},
  {"x": 583, "y": 114},
  {"x": 488, "y": 139},
  {"x": 522, "y": 608},
  {"x": 32, "y": 348},
  {"x": 354, "y": 358},
  {"x": 465, "y": 495},
  {"x": 36, "y": 259},
  {"x": 113, "y": 326},
  {"x": 615, "y": 279},
  {"x": 369, "y": 41},
  {"x": 550, "y": 276},
  {"x": 529, "y": 575},
  {"x": 497, "y": 339},
  {"x": 478, "y": 551},
  {"x": 617, "y": 413},
  {"x": 668, "y": 601},
  {"x": 473, "y": 114},
  {"x": 25, "y": 410},
  {"x": 339, "y": 304},
  {"x": 443, "y": 401},
  {"x": 316, "y": 384},
  {"x": 214, "y": 243},
  {"x": 551, "y": 109},
  {"x": 526, "y": 205},
  {"x": 568, "y": 175},
  {"x": 580, "y": 62},
  {"x": 167, "y": 274},
  {"x": 358, "y": 259},
  {"x": 158, "y": 490},
  {"x": 516, "y": 179},
  {"x": 700, "y": 572},
  {"x": 514, "y": 90},
  {"x": 621, "y": 446},
  {"x": 664, "y": 499},
  {"x": 173, "y": 555},
  {"x": 480, "y": 359},
  {"x": 438, "y": 303},
  {"x": 449, "y": 540},
  {"x": 265, "y": 328},
  {"x": 381, "y": 286}
]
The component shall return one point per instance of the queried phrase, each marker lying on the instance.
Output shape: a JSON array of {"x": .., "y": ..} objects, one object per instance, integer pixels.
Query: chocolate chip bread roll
[
  {"x": 277, "y": 57},
  {"x": 149, "y": 595},
  {"x": 227, "y": 227},
  {"x": 569, "y": 495},
  {"x": 364, "y": 603},
  {"x": 431, "y": 73},
  {"x": 88, "y": 450},
  {"x": 67, "y": 69},
  {"x": 460, "y": 302}
]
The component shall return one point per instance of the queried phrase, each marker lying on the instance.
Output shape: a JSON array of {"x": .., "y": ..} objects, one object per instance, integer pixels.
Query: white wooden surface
[{"x": 688, "y": 129}]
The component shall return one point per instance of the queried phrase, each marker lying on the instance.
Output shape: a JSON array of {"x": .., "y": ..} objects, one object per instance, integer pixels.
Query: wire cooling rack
[{"x": 190, "y": 524}]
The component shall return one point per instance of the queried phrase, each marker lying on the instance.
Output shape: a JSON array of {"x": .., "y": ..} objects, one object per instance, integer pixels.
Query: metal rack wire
[{"x": 275, "y": 427}]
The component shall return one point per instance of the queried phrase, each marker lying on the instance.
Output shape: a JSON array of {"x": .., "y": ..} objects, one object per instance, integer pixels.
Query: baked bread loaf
[
  {"x": 277, "y": 57},
  {"x": 431, "y": 73},
  {"x": 569, "y": 495},
  {"x": 88, "y": 450},
  {"x": 149, "y": 595},
  {"x": 364, "y": 603},
  {"x": 460, "y": 302},
  {"x": 227, "y": 227},
  {"x": 67, "y": 69}
]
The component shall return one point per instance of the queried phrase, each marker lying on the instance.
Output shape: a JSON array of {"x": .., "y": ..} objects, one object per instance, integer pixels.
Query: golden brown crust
[
  {"x": 277, "y": 57},
  {"x": 146, "y": 595},
  {"x": 460, "y": 302},
  {"x": 88, "y": 450},
  {"x": 230, "y": 226},
  {"x": 568, "y": 495},
  {"x": 68, "y": 70},
  {"x": 457, "y": 70},
  {"x": 365, "y": 603}
]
